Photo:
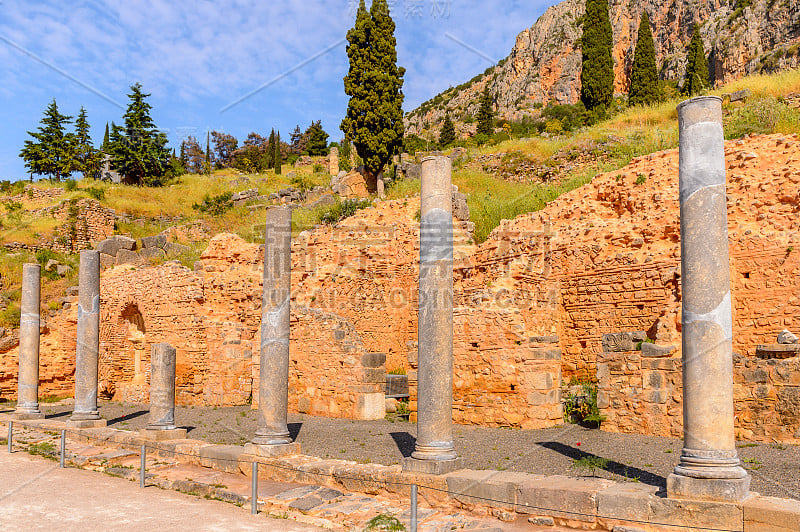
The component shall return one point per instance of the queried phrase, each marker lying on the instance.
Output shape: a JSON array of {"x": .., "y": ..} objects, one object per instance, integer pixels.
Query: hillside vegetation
[{"x": 606, "y": 146}]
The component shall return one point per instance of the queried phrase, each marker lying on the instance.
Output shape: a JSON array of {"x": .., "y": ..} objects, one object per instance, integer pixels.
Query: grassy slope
[{"x": 641, "y": 130}]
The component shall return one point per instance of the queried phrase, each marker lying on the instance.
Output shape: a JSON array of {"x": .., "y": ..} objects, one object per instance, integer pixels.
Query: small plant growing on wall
[{"x": 582, "y": 408}]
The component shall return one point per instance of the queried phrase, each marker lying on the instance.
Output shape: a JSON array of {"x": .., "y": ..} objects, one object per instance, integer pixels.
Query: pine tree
[
  {"x": 87, "y": 159},
  {"x": 486, "y": 113},
  {"x": 696, "y": 78},
  {"x": 104, "y": 147},
  {"x": 138, "y": 150},
  {"x": 644, "y": 74},
  {"x": 298, "y": 141},
  {"x": 374, "y": 83},
  {"x": 597, "y": 72},
  {"x": 317, "y": 139},
  {"x": 192, "y": 156},
  {"x": 224, "y": 146},
  {"x": 276, "y": 156},
  {"x": 448, "y": 133},
  {"x": 52, "y": 152}
]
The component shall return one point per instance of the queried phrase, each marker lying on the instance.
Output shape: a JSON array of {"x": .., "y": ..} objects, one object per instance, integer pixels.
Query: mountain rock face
[{"x": 740, "y": 37}]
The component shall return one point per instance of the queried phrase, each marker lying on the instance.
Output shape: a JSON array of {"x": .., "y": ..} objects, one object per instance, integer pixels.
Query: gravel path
[{"x": 649, "y": 459}]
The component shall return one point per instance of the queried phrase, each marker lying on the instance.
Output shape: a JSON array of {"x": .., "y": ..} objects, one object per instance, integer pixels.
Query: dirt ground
[{"x": 564, "y": 450}]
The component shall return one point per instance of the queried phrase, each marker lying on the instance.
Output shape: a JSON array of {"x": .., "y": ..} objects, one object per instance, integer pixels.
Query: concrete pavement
[{"x": 36, "y": 495}]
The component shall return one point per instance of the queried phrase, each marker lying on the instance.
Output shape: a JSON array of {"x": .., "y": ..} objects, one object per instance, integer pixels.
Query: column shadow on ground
[
  {"x": 294, "y": 430},
  {"x": 645, "y": 477},
  {"x": 405, "y": 442},
  {"x": 127, "y": 417},
  {"x": 58, "y": 414}
]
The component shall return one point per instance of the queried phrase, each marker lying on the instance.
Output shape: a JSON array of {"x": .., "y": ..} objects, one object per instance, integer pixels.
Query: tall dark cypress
[
  {"x": 374, "y": 82},
  {"x": 696, "y": 78},
  {"x": 276, "y": 154},
  {"x": 269, "y": 155},
  {"x": 104, "y": 147},
  {"x": 448, "y": 133},
  {"x": 486, "y": 113},
  {"x": 597, "y": 72},
  {"x": 644, "y": 74}
]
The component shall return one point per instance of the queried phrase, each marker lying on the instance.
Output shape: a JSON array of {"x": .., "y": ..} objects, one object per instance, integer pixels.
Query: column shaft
[
  {"x": 28, "y": 380},
  {"x": 162, "y": 387},
  {"x": 273, "y": 391},
  {"x": 88, "y": 344},
  {"x": 435, "y": 331},
  {"x": 709, "y": 466}
]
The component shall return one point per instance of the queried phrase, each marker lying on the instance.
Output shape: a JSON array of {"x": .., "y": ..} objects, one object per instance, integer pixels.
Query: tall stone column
[
  {"x": 28, "y": 379},
  {"x": 162, "y": 395},
  {"x": 272, "y": 436},
  {"x": 85, "y": 414},
  {"x": 434, "y": 452},
  {"x": 709, "y": 467}
]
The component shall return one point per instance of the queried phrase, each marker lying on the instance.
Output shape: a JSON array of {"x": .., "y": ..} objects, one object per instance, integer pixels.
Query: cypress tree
[
  {"x": 52, "y": 150},
  {"x": 486, "y": 113},
  {"x": 138, "y": 150},
  {"x": 104, "y": 147},
  {"x": 87, "y": 159},
  {"x": 374, "y": 83},
  {"x": 276, "y": 155},
  {"x": 448, "y": 133},
  {"x": 207, "y": 164},
  {"x": 696, "y": 78},
  {"x": 597, "y": 71},
  {"x": 269, "y": 155},
  {"x": 644, "y": 74}
]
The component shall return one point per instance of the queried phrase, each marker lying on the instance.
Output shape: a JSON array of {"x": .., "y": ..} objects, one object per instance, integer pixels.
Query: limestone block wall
[
  {"x": 337, "y": 377},
  {"x": 82, "y": 222},
  {"x": 502, "y": 377},
  {"x": 641, "y": 392}
]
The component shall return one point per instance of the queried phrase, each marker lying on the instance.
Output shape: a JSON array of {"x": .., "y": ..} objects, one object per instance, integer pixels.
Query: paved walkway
[
  {"x": 36, "y": 495},
  {"x": 630, "y": 457}
]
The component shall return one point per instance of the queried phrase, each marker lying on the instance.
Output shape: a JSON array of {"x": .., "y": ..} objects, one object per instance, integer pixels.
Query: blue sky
[{"x": 198, "y": 59}]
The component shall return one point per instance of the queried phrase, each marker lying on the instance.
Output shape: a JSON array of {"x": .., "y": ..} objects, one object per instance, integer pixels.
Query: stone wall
[{"x": 641, "y": 392}]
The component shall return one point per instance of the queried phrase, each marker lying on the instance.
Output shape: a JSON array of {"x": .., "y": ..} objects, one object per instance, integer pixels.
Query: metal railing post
[
  {"x": 63, "y": 448},
  {"x": 10, "y": 436},
  {"x": 413, "y": 523},
  {"x": 143, "y": 454},
  {"x": 254, "y": 495}
]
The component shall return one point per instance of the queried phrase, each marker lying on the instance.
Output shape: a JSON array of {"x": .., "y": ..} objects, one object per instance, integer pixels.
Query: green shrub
[
  {"x": 341, "y": 210},
  {"x": 590, "y": 464},
  {"x": 641, "y": 179},
  {"x": 384, "y": 523},
  {"x": 215, "y": 205},
  {"x": 303, "y": 182},
  {"x": 583, "y": 408},
  {"x": 97, "y": 193},
  {"x": 45, "y": 448},
  {"x": 12, "y": 188},
  {"x": 761, "y": 116},
  {"x": 70, "y": 185},
  {"x": 318, "y": 168},
  {"x": 10, "y": 316}
]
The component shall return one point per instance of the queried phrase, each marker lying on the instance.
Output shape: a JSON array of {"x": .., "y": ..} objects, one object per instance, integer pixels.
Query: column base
[
  {"x": 86, "y": 423},
  {"x": 272, "y": 451},
  {"x": 25, "y": 416},
  {"x": 708, "y": 489},
  {"x": 432, "y": 467},
  {"x": 162, "y": 434}
]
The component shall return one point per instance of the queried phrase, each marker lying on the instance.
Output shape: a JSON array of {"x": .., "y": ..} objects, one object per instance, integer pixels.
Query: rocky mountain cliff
[{"x": 740, "y": 36}]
